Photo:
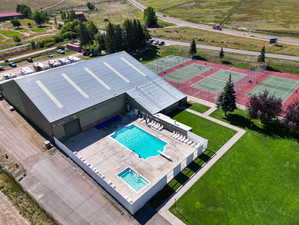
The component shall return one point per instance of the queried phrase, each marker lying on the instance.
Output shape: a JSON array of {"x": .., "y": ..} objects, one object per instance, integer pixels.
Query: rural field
[{"x": 268, "y": 15}]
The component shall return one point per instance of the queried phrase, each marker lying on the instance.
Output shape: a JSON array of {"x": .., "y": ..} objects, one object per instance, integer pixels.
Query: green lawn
[
  {"x": 10, "y": 33},
  {"x": 199, "y": 107},
  {"x": 256, "y": 182},
  {"x": 40, "y": 29},
  {"x": 201, "y": 127}
]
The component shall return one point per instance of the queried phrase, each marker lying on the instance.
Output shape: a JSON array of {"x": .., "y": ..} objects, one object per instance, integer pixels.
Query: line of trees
[
  {"x": 25, "y": 10},
  {"x": 265, "y": 107}
]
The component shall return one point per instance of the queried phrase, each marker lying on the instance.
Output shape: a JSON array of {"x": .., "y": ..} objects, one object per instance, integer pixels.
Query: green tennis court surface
[
  {"x": 187, "y": 72},
  {"x": 217, "y": 81},
  {"x": 277, "y": 86},
  {"x": 166, "y": 63}
]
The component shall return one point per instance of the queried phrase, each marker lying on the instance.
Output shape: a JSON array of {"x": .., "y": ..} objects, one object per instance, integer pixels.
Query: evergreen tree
[
  {"x": 109, "y": 38},
  {"x": 150, "y": 18},
  {"x": 25, "y": 10},
  {"x": 40, "y": 17},
  {"x": 100, "y": 38},
  {"x": 92, "y": 29},
  {"x": 262, "y": 57},
  {"x": 90, "y": 6},
  {"x": 15, "y": 23},
  {"x": 118, "y": 38},
  {"x": 221, "y": 53},
  {"x": 84, "y": 35},
  {"x": 193, "y": 49},
  {"x": 227, "y": 99}
]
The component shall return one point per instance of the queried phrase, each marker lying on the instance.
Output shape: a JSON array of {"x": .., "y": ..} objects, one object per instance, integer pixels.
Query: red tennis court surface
[{"x": 243, "y": 86}]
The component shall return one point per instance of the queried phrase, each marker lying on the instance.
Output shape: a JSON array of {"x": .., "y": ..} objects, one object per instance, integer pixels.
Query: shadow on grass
[
  {"x": 198, "y": 57},
  {"x": 274, "y": 128}
]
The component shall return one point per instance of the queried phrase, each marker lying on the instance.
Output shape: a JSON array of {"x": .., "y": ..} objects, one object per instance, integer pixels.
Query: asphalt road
[
  {"x": 231, "y": 50},
  {"x": 180, "y": 22}
]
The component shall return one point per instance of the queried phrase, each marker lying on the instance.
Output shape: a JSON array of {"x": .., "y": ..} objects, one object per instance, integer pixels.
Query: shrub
[
  {"x": 264, "y": 106},
  {"x": 17, "y": 39}
]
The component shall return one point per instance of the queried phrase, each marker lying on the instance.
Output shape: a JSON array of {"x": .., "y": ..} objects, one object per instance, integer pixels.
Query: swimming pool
[
  {"x": 139, "y": 141},
  {"x": 133, "y": 179}
]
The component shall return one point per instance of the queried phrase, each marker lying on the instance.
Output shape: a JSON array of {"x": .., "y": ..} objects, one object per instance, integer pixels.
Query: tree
[
  {"x": 92, "y": 29},
  {"x": 292, "y": 116},
  {"x": 100, "y": 38},
  {"x": 40, "y": 17},
  {"x": 17, "y": 39},
  {"x": 24, "y": 9},
  {"x": 227, "y": 99},
  {"x": 90, "y": 6},
  {"x": 264, "y": 106},
  {"x": 84, "y": 35},
  {"x": 193, "y": 49},
  {"x": 150, "y": 18},
  {"x": 262, "y": 57},
  {"x": 15, "y": 23},
  {"x": 221, "y": 53}
]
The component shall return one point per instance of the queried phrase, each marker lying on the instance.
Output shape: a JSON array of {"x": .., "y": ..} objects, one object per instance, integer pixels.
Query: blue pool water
[
  {"x": 139, "y": 141},
  {"x": 133, "y": 179}
]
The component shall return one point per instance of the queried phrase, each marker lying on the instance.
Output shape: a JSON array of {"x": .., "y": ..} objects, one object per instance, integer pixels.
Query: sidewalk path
[{"x": 164, "y": 211}]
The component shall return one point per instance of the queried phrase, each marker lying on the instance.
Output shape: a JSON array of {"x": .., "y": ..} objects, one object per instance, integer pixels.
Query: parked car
[
  {"x": 73, "y": 58},
  {"x": 1, "y": 68},
  {"x": 64, "y": 61},
  {"x": 26, "y": 70},
  {"x": 162, "y": 43},
  {"x": 30, "y": 60},
  {"x": 8, "y": 76},
  {"x": 38, "y": 66},
  {"x": 12, "y": 64},
  {"x": 60, "y": 51},
  {"x": 50, "y": 55}
]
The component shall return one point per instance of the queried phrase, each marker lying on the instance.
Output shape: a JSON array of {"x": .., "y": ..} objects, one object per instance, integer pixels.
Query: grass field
[
  {"x": 199, "y": 107},
  {"x": 254, "y": 183},
  {"x": 186, "y": 34},
  {"x": 267, "y": 15},
  {"x": 232, "y": 59}
]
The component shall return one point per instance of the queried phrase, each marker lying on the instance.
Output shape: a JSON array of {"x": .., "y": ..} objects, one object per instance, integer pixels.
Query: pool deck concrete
[{"x": 105, "y": 154}]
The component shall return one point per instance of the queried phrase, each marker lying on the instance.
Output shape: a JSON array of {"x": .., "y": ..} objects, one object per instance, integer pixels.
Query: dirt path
[{"x": 9, "y": 215}]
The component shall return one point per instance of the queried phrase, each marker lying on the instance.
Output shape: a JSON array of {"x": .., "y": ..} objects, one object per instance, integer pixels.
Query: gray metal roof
[{"x": 63, "y": 91}]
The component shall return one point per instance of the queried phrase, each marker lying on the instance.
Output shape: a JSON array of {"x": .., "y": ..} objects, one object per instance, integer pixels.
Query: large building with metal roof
[{"x": 62, "y": 102}]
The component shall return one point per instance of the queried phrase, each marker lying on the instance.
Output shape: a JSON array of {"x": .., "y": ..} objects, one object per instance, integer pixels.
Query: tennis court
[
  {"x": 277, "y": 86},
  {"x": 166, "y": 63},
  {"x": 187, "y": 72},
  {"x": 216, "y": 82}
]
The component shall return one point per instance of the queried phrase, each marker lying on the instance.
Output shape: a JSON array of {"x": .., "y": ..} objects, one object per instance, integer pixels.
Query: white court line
[
  {"x": 97, "y": 78},
  {"x": 134, "y": 67},
  {"x": 71, "y": 82},
  {"x": 116, "y": 72},
  {"x": 49, "y": 94}
]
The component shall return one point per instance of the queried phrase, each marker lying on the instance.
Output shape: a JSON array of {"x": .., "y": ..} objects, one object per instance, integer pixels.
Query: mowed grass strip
[
  {"x": 11, "y": 33},
  {"x": 256, "y": 182},
  {"x": 215, "y": 133},
  {"x": 198, "y": 107}
]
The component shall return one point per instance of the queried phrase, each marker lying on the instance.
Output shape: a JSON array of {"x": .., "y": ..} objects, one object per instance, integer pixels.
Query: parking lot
[{"x": 46, "y": 62}]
